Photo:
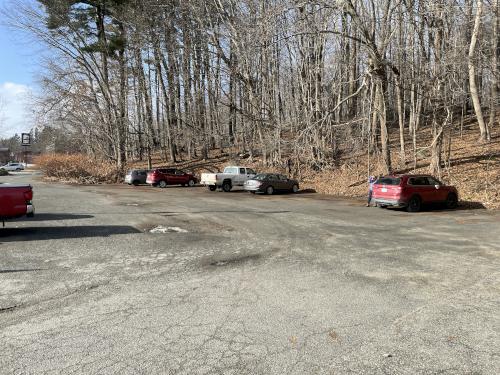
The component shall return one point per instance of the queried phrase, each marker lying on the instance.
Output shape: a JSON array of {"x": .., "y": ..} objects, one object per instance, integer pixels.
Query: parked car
[
  {"x": 136, "y": 177},
  {"x": 13, "y": 167},
  {"x": 270, "y": 182},
  {"x": 412, "y": 191},
  {"x": 170, "y": 176},
  {"x": 231, "y": 177},
  {"x": 16, "y": 201}
]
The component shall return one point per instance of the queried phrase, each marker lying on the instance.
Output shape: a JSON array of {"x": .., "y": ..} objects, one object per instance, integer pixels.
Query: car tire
[
  {"x": 381, "y": 206},
  {"x": 295, "y": 189},
  {"x": 451, "y": 201},
  {"x": 135, "y": 183},
  {"x": 252, "y": 192},
  {"x": 414, "y": 204},
  {"x": 162, "y": 184},
  {"x": 212, "y": 187},
  {"x": 269, "y": 190},
  {"x": 191, "y": 183},
  {"x": 18, "y": 170},
  {"x": 226, "y": 187}
]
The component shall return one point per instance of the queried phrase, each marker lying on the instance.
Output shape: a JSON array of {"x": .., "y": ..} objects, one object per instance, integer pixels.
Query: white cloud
[{"x": 14, "y": 114}]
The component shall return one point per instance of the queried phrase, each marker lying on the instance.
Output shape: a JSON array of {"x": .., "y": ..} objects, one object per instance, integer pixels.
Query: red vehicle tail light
[{"x": 28, "y": 195}]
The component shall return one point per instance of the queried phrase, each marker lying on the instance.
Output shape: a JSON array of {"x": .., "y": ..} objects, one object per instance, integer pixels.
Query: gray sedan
[{"x": 270, "y": 182}]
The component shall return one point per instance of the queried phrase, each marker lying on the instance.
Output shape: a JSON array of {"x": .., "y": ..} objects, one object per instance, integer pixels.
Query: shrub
[
  {"x": 3, "y": 172},
  {"x": 78, "y": 168}
]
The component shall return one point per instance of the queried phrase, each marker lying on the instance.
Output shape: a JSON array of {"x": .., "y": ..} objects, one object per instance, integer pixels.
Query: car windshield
[
  {"x": 388, "y": 181},
  {"x": 260, "y": 177}
]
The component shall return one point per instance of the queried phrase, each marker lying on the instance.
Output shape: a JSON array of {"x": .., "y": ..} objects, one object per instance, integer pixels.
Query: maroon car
[
  {"x": 412, "y": 191},
  {"x": 170, "y": 176}
]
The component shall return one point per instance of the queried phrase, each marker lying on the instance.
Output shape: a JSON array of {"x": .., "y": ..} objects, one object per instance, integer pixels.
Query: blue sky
[{"x": 18, "y": 70}]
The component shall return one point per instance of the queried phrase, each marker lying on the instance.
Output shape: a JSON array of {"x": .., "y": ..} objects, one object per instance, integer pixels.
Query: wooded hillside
[{"x": 291, "y": 82}]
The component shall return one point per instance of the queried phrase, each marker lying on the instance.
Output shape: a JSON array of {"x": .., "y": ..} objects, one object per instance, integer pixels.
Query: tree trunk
[
  {"x": 494, "y": 88},
  {"x": 484, "y": 136}
]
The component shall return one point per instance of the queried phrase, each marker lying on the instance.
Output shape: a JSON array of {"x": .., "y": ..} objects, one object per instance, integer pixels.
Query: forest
[{"x": 300, "y": 83}]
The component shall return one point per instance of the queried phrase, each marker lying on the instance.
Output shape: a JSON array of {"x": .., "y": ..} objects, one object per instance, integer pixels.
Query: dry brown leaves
[{"x": 80, "y": 169}]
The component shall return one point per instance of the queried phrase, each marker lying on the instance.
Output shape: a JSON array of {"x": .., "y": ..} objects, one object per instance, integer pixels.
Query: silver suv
[
  {"x": 13, "y": 167},
  {"x": 136, "y": 177}
]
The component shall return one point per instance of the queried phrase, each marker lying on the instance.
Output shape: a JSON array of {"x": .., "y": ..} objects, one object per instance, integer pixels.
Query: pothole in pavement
[{"x": 162, "y": 229}]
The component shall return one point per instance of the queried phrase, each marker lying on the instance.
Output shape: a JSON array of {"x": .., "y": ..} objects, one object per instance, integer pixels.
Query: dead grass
[{"x": 80, "y": 169}]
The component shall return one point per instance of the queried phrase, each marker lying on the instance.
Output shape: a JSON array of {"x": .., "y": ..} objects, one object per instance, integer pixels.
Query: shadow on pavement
[
  {"x": 49, "y": 216},
  {"x": 462, "y": 206},
  {"x": 470, "y": 205},
  {"x": 440, "y": 207},
  {"x": 55, "y": 233},
  {"x": 307, "y": 191},
  {"x": 223, "y": 211},
  {"x": 22, "y": 270}
]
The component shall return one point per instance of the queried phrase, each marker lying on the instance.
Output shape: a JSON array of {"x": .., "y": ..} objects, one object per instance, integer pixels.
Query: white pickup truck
[{"x": 232, "y": 176}]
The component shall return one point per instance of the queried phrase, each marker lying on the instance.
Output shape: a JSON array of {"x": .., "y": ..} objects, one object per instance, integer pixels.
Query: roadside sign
[{"x": 26, "y": 139}]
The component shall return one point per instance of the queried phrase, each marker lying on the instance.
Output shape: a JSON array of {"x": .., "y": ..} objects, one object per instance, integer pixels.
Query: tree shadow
[
  {"x": 62, "y": 216},
  {"x": 22, "y": 270},
  {"x": 167, "y": 214},
  {"x": 67, "y": 232},
  {"x": 481, "y": 159}
]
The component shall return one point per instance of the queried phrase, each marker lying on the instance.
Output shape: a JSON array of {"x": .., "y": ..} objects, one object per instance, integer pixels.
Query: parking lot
[{"x": 124, "y": 280}]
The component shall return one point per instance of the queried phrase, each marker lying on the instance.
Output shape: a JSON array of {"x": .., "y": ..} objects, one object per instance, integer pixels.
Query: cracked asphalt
[{"x": 302, "y": 284}]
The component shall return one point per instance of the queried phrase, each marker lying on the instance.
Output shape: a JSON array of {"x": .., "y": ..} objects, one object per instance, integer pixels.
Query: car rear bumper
[
  {"x": 252, "y": 188},
  {"x": 205, "y": 183},
  {"x": 389, "y": 202}
]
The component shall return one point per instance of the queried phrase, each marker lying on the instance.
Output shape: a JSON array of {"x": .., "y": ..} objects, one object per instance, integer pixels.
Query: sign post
[{"x": 26, "y": 142}]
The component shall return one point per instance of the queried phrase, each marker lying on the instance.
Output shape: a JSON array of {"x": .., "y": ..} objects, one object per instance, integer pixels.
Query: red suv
[
  {"x": 169, "y": 176},
  {"x": 411, "y": 191}
]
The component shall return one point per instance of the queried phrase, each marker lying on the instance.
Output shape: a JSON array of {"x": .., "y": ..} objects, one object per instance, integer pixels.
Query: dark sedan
[{"x": 270, "y": 182}]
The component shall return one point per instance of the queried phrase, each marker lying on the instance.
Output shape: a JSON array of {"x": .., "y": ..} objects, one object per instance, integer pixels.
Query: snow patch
[{"x": 162, "y": 229}]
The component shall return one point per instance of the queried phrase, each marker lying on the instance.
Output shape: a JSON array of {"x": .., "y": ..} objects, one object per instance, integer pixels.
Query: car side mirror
[{"x": 437, "y": 186}]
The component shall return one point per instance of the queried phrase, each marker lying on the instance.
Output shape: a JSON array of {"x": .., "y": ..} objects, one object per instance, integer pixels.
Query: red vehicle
[
  {"x": 169, "y": 176},
  {"x": 15, "y": 201},
  {"x": 412, "y": 191}
]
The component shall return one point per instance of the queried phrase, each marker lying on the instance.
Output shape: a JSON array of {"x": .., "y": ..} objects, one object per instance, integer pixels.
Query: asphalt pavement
[{"x": 139, "y": 280}]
